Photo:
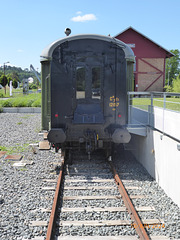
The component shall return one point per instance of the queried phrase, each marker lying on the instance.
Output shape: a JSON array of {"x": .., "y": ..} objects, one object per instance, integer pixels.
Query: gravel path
[
  {"x": 132, "y": 174},
  {"x": 166, "y": 209},
  {"x": 21, "y": 194},
  {"x": 22, "y": 197}
]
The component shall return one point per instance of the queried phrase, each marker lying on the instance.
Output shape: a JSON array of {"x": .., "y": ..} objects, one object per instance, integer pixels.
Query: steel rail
[
  {"x": 129, "y": 205},
  {"x": 52, "y": 220}
]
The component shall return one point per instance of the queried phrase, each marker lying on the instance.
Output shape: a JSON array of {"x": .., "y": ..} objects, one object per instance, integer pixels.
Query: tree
[
  {"x": 15, "y": 79},
  {"x": 3, "y": 82},
  {"x": 9, "y": 78},
  {"x": 15, "y": 83},
  {"x": 172, "y": 67},
  {"x": 15, "y": 76},
  {"x": 20, "y": 74},
  {"x": 176, "y": 84}
]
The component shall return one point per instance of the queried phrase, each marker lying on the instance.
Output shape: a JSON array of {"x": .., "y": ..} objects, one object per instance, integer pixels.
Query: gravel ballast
[
  {"x": 21, "y": 193},
  {"x": 22, "y": 198}
]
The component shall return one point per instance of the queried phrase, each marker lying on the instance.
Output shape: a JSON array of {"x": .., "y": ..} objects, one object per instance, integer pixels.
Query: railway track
[{"x": 91, "y": 202}]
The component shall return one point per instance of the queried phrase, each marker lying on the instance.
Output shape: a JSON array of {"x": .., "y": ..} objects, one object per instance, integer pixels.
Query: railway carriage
[{"x": 85, "y": 79}]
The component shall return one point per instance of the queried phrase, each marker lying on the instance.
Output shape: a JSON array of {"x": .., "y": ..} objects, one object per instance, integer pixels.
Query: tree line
[
  {"x": 5, "y": 79},
  {"x": 18, "y": 72},
  {"x": 14, "y": 74},
  {"x": 172, "y": 83}
]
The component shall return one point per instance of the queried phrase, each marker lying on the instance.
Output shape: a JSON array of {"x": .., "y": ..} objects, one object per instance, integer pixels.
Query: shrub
[
  {"x": 32, "y": 86},
  {"x": 176, "y": 84},
  {"x": 1, "y": 109},
  {"x": 31, "y": 100},
  {"x": 168, "y": 88},
  {"x": 6, "y": 103},
  {"x": 19, "y": 102},
  {"x": 37, "y": 103}
]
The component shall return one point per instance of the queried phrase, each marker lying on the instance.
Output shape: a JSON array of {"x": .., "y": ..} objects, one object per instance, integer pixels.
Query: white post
[{"x": 10, "y": 88}]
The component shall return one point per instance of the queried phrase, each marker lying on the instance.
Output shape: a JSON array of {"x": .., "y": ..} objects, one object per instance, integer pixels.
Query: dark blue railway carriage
[{"x": 85, "y": 79}]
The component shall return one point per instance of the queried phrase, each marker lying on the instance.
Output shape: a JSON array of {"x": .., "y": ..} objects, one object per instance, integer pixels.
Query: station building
[{"x": 149, "y": 70}]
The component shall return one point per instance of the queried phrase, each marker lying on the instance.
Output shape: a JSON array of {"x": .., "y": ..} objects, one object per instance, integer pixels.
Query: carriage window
[
  {"x": 80, "y": 82},
  {"x": 96, "y": 83}
]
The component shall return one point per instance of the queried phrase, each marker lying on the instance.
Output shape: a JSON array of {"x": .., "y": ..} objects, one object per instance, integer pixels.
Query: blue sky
[{"x": 28, "y": 26}]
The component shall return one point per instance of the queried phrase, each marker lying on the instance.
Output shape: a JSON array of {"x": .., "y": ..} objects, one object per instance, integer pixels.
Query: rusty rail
[
  {"x": 129, "y": 205},
  {"x": 52, "y": 220}
]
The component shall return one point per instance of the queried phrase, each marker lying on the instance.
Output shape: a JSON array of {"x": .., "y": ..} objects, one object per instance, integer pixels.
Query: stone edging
[{"x": 22, "y": 110}]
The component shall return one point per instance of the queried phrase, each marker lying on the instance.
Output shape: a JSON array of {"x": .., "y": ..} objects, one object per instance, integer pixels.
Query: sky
[{"x": 28, "y": 26}]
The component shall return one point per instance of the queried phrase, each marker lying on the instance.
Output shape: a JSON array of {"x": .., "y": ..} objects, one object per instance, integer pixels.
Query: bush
[
  {"x": 36, "y": 103},
  {"x": 19, "y": 102},
  {"x": 168, "y": 88},
  {"x": 1, "y": 109},
  {"x": 6, "y": 103},
  {"x": 31, "y": 100},
  {"x": 176, "y": 84},
  {"x": 32, "y": 86}
]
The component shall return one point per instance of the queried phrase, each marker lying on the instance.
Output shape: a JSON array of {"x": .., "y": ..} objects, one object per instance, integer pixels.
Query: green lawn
[
  {"x": 34, "y": 100},
  {"x": 14, "y": 91},
  {"x": 171, "y": 103},
  {"x": 20, "y": 99}
]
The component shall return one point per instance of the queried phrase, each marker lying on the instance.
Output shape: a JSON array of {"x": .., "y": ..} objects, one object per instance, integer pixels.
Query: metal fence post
[
  {"x": 151, "y": 111},
  {"x": 164, "y": 100},
  {"x": 164, "y": 108}
]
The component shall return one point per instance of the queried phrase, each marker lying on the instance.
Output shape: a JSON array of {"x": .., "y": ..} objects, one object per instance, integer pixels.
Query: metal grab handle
[{"x": 66, "y": 117}]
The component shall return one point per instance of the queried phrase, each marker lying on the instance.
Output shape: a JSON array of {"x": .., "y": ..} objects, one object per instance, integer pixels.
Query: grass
[
  {"x": 26, "y": 116},
  {"x": 172, "y": 103},
  {"x": 23, "y": 169},
  {"x": 20, "y": 100},
  {"x": 14, "y": 92},
  {"x": 34, "y": 100},
  {"x": 15, "y": 149}
]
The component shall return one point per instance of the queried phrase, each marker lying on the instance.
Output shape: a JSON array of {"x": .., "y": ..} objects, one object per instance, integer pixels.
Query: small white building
[{"x": 31, "y": 80}]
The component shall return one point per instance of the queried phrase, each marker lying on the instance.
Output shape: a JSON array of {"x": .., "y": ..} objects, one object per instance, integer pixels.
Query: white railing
[{"x": 159, "y": 110}]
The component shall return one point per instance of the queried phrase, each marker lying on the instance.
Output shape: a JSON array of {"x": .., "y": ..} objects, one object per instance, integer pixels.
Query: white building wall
[
  {"x": 167, "y": 121},
  {"x": 160, "y": 156}
]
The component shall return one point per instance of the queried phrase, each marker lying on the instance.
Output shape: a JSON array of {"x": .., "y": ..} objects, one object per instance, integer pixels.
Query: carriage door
[{"x": 88, "y": 91}]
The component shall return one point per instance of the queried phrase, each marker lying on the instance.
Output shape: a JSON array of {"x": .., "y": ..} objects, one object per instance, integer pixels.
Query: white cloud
[
  {"x": 6, "y": 64},
  {"x": 84, "y": 18},
  {"x": 79, "y": 12},
  {"x": 19, "y": 50},
  {"x": 10, "y": 65}
]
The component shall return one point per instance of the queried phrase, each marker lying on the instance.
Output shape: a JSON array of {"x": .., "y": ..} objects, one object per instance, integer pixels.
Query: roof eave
[
  {"x": 46, "y": 54},
  {"x": 168, "y": 53}
]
